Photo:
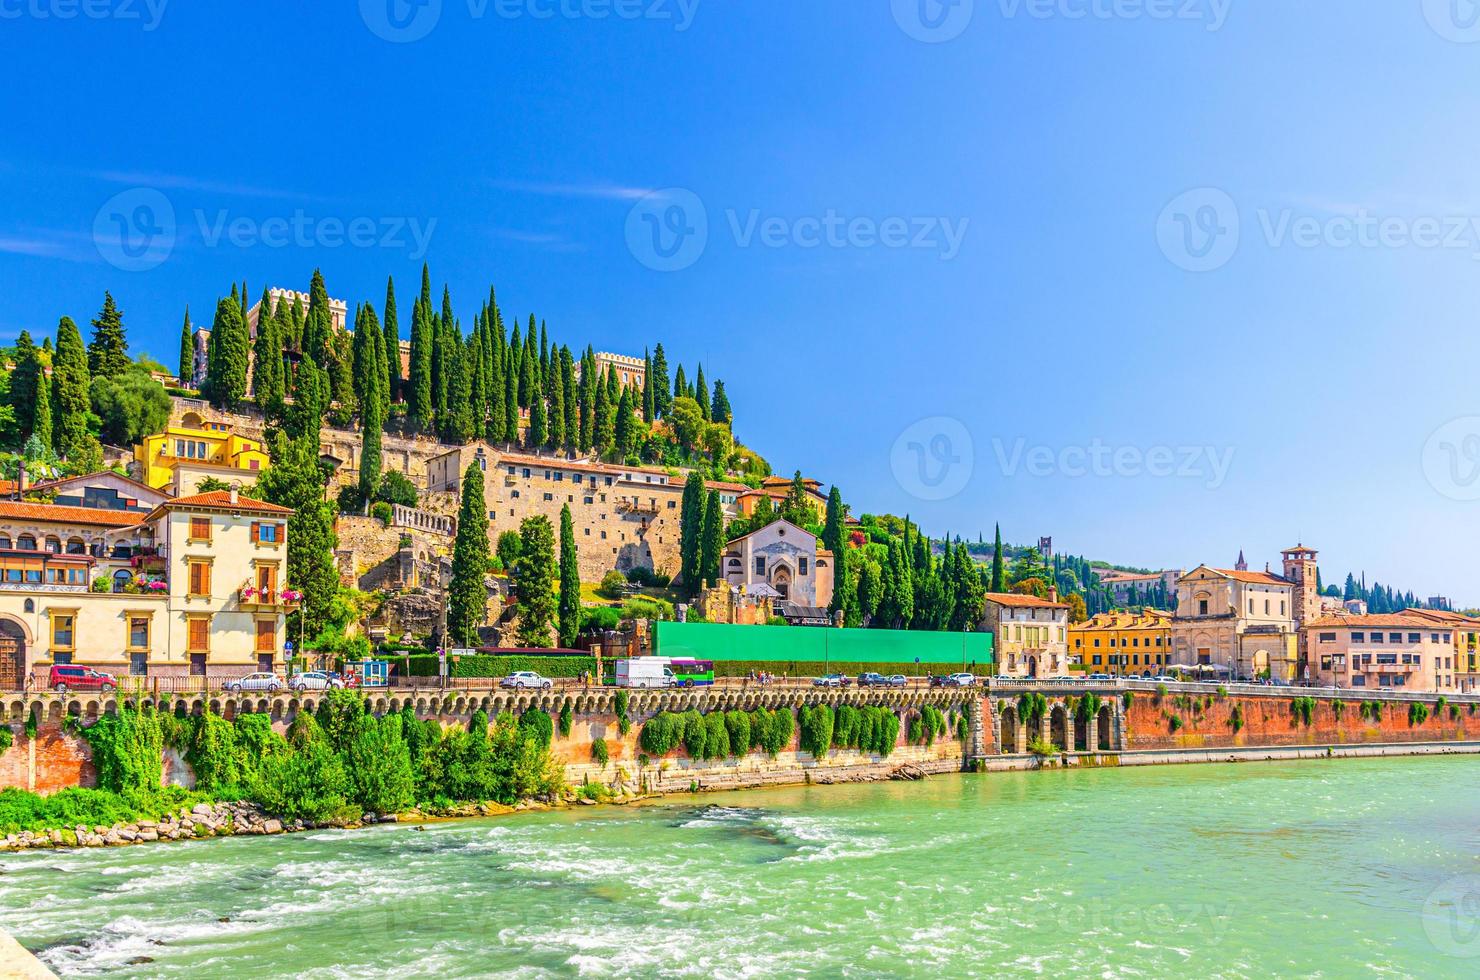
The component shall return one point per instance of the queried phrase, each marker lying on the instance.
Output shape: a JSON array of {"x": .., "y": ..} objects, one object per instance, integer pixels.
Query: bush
[
  {"x": 1042, "y": 749},
  {"x": 490, "y": 665},
  {"x": 7, "y": 738},
  {"x": 1236, "y": 719},
  {"x": 612, "y": 586},
  {"x": 599, "y": 754},
  {"x": 817, "y": 730},
  {"x": 21, "y": 810},
  {"x": 599, "y": 619},
  {"x": 737, "y": 723},
  {"x": 1127, "y": 699},
  {"x": 510, "y": 548},
  {"x": 381, "y": 511},
  {"x": 350, "y": 500},
  {"x": 1174, "y": 722},
  {"x": 1417, "y": 714},
  {"x": 396, "y": 489},
  {"x": 619, "y": 708},
  {"x": 538, "y": 724},
  {"x": 1303, "y": 709},
  {"x": 645, "y": 607},
  {"x": 565, "y": 718}
]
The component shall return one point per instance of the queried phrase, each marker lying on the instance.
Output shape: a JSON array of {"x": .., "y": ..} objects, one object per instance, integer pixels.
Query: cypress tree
[
  {"x": 43, "y": 430},
  {"x": 374, "y": 404},
  {"x": 318, "y": 325},
  {"x": 680, "y": 384},
  {"x": 713, "y": 543},
  {"x": 568, "y": 388},
  {"x": 478, "y": 394},
  {"x": 544, "y": 359},
  {"x": 310, "y": 401},
  {"x": 70, "y": 383},
  {"x": 498, "y": 383},
  {"x": 535, "y": 438},
  {"x": 528, "y": 361},
  {"x": 662, "y": 396},
  {"x": 226, "y": 357},
  {"x": 392, "y": 342},
  {"x": 341, "y": 372},
  {"x": 691, "y": 530},
  {"x": 268, "y": 389},
  {"x": 833, "y": 540},
  {"x": 511, "y": 400},
  {"x": 516, "y": 362},
  {"x": 448, "y": 348},
  {"x": 459, "y": 390},
  {"x": 720, "y": 410},
  {"x": 604, "y": 419},
  {"x": 555, "y": 437},
  {"x": 997, "y": 584},
  {"x": 587, "y": 406},
  {"x": 187, "y": 351},
  {"x": 569, "y": 606},
  {"x": 535, "y": 581},
  {"x": 419, "y": 403},
  {"x": 467, "y": 596},
  {"x": 647, "y": 387},
  {"x": 107, "y": 354},
  {"x": 701, "y": 393}
]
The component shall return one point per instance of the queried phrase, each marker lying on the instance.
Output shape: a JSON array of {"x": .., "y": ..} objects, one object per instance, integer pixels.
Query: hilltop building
[{"x": 182, "y": 456}]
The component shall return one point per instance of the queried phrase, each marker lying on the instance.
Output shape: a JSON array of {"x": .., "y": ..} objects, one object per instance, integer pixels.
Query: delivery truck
[{"x": 644, "y": 672}]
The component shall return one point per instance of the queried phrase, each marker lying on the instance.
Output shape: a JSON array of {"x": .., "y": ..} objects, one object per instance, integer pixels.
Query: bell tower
[{"x": 1300, "y": 571}]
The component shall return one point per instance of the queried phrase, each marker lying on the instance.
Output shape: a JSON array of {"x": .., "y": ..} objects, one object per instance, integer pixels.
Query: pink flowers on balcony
[
  {"x": 157, "y": 585},
  {"x": 290, "y": 595}
]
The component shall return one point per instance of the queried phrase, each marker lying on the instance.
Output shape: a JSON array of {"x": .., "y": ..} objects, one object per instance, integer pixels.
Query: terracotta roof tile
[
  {"x": 1013, "y": 599},
  {"x": 20, "y": 510},
  {"x": 222, "y": 498},
  {"x": 1379, "y": 620},
  {"x": 1254, "y": 578}
]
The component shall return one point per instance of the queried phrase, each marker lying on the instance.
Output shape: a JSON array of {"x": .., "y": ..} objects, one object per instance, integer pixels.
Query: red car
[{"x": 73, "y": 677}]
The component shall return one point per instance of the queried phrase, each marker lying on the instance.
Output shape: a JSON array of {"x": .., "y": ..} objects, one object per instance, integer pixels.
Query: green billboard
[{"x": 848, "y": 649}]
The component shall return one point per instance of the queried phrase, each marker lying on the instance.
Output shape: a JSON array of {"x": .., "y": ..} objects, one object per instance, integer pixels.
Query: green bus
[{"x": 692, "y": 673}]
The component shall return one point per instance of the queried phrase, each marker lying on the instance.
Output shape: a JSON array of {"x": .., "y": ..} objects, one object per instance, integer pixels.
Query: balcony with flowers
[{"x": 252, "y": 596}]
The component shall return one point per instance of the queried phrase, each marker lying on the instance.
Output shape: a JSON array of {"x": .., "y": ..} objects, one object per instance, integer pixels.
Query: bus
[{"x": 692, "y": 673}]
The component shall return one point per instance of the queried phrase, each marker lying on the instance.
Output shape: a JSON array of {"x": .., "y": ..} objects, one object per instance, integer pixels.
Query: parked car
[
  {"x": 1164, "y": 679},
  {"x": 961, "y": 680},
  {"x": 526, "y": 679},
  {"x": 872, "y": 679},
  {"x": 831, "y": 680},
  {"x": 315, "y": 680},
  {"x": 1099, "y": 676},
  {"x": 896, "y": 680},
  {"x": 264, "y": 680},
  {"x": 74, "y": 677}
]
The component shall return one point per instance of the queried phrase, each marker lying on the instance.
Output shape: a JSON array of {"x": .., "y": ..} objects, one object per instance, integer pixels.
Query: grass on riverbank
[{"x": 22, "y": 810}]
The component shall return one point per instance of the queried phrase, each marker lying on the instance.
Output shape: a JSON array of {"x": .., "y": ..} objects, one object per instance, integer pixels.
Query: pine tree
[
  {"x": 107, "y": 354},
  {"x": 569, "y": 607},
  {"x": 227, "y": 357},
  {"x": 295, "y": 480},
  {"x": 998, "y": 584},
  {"x": 187, "y": 351},
  {"x": 658, "y": 375},
  {"x": 392, "y": 342},
  {"x": 535, "y": 581},
  {"x": 691, "y": 530},
  {"x": 467, "y": 596},
  {"x": 720, "y": 410},
  {"x": 712, "y": 545}
]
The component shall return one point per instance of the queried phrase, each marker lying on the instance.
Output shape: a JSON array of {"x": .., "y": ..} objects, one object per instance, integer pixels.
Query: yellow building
[
  {"x": 213, "y": 446},
  {"x": 1123, "y": 642}
]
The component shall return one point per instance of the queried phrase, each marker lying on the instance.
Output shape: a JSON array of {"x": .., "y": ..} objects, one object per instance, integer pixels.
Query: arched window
[
  {"x": 30, "y": 605},
  {"x": 5, "y": 543},
  {"x": 53, "y": 544},
  {"x": 26, "y": 542},
  {"x": 121, "y": 578},
  {"x": 75, "y": 546}
]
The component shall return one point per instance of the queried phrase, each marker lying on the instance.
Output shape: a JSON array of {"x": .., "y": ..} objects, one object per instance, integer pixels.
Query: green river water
[{"x": 1339, "y": 868}]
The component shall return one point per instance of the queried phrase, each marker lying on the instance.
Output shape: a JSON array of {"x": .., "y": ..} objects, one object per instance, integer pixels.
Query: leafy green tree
[
  {"x": 662, "y": 394},
  {"x": 70, "y": 383},
  {"x": 797, "y": 506},
  {"x": 467, "y": 597},
  {"x": 295, "y": 480},
  {"x": 107, "y": 354},
  {"x": 28, "y": 384},
  {"x": 509, "y": 548},
  {"x": 187, "y": 351},
  {"x": 570, "y": 582},
  {"x": 719, "y": 411},
  {"x": 227, "y": 356},
  {"x": 379, "y": 764},
  {"x": 130, "y": 405},
  {"x": 535, "y": 583}
]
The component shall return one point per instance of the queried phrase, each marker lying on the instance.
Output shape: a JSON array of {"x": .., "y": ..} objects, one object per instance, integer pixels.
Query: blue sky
[{"x": 1033, "y": 231}]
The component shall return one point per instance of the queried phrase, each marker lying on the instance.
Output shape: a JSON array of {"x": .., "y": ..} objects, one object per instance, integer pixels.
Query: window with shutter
[
  {"x": 200, "y": 529},
  {"x": 200, "y": 578},
  {"x": 198, "y": 639}
]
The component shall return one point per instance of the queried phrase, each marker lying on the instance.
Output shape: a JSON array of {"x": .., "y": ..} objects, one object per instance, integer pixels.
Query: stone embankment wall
[{"x": 1207, "y": 721}]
